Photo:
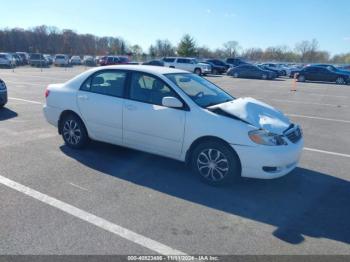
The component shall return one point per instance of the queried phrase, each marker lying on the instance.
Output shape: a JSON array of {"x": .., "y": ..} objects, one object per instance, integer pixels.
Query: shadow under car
[{"x": 305, "y": 202}]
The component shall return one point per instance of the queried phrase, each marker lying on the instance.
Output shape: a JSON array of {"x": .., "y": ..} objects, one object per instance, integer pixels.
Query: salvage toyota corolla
[{"x": 176, "y": 114}]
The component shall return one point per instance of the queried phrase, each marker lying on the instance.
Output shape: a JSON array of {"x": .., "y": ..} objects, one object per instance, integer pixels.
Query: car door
[
  {"x": 148, "y": 125},
  {"x": 250, "y": 71},
  {"x": 327, "y": 75},
  {"x": 242, "y": 71},
  {"x": 182, "y": 63},
  {"x": 100, "y": 101}
]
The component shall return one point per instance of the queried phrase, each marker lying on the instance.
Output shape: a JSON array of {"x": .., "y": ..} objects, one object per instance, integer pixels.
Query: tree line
[{"x": 48, "y": 39}]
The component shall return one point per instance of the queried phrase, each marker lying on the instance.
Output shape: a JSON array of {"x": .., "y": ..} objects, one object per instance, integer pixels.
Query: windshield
[
  {"x": 200, "y": 90},
  {"x": 332, "y": 68}
]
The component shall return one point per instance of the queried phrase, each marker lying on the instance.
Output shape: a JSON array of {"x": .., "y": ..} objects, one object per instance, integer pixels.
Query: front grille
[{"x": 294, "y": 135}]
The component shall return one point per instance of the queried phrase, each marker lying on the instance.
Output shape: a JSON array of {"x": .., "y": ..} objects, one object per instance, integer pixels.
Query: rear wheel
[
  {"x": 215, "y": 163},
  {"x": 340, "y": 81},
  {"x": 74, "y": 132},
  {"x": 198, "y": 71}
]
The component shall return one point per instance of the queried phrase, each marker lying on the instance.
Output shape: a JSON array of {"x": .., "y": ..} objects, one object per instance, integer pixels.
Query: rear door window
[{"x": 111, "y": 83}]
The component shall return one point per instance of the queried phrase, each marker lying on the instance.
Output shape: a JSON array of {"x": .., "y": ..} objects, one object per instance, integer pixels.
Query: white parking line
[
  {"x": 306, "y": 103},
  {"x": 92, "y": 219},
  {"x": 320, "y": 118},
  {"x": 326, "y": 152},
  {"x": 25, "y": 100}
]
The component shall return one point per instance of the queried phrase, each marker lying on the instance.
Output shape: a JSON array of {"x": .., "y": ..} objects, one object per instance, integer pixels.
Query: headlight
[{"x": 262, "y": 137}]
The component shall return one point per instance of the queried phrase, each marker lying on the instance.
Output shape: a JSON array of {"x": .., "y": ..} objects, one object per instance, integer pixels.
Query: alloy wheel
[
  {"x": 71, "y": 132},
  {"x": 212, "y": 164},
  {"x": 340, "y": 81}
]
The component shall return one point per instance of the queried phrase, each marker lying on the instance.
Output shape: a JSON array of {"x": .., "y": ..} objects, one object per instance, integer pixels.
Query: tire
[
  {"x": 301, "y": 78},
  {"x": 198, "y": 71},
  {"x": 215, "y": 163},
  {"x": 235, "y": 75},
  {"x": 74, "y": 132},
  {"x": 340, "y": 81},
  {"x": 264, "y": 76}
]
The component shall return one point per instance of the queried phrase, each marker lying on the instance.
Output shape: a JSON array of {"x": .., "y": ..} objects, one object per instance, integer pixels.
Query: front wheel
[
  {"x": 74, "y": 132},
  {"x": 198, "y": 71},
  {"x": 340, "y": 81},
  {"x": 215, "y": 163}
]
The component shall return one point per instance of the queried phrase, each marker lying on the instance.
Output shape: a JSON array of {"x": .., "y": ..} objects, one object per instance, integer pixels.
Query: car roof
[{"x": 144, "y": 68}]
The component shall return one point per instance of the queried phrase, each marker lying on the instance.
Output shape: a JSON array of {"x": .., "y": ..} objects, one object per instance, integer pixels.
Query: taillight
[{"x": 47, "y": 92}]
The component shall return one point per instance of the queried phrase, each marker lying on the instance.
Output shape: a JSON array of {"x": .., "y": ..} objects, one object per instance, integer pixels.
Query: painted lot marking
[
  {"x": 306, "y": 103},
  {"x": 25, "y": 100},
  {"x": 326, "y": 152},
  {"x": 92, "y": 219},
  {"x": 320, "y": 118}
]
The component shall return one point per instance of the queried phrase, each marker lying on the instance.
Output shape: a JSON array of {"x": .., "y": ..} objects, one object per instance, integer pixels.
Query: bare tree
[
  {"x": 307, "y": 50},
  {"x": 231, "y": 48}
]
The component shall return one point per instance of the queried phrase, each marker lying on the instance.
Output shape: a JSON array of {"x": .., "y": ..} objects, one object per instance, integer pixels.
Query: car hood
[{"x": 256, "y": 113}]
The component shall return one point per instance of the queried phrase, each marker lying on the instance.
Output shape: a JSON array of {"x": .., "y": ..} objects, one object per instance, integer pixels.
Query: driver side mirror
[{"x": 172, "y": 102}]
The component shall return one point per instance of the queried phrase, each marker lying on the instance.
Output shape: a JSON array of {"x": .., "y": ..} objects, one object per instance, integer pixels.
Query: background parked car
[
  {"x": 219, "y": 63},
  {"x": 345, "y": 67},
  {"x": 6, "y": 60},
  {"x": 278, "y": 72},
  {"x": 215, "y": 68},
  {"x": 88, "y": 60},
  {"x": 322, "y": 74},
  {"x": 18, "y": 60},
  {"x": 251, "y": 71},
  {"x": 154, "y": 63},
  {"x": 280, "y": 69},
  {"x": 187, "y": 64},
  {"x": 49, "y": 59},
  {"x": 75, "y": 60},
  {"x": 24, "y": 56},
  {"x": 235, "y": 62},
  {"x": 38, "y": 60},
  {"x": 113, "y": 60},
  {"x": 61, "y": 60},
  {"x": 3, "y": 93},
  {"x": 294, "y": 71}
]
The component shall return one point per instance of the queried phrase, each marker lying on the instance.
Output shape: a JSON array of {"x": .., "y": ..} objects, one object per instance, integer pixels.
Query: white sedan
[{"x": 176, "y": 114}]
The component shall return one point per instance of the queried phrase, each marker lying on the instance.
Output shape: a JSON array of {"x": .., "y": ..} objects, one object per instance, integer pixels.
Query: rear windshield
[{"x": 35, "y": 56}]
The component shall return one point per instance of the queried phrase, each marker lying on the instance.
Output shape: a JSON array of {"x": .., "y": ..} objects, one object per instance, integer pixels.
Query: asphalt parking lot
[{"x": 112, "y": 200}]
